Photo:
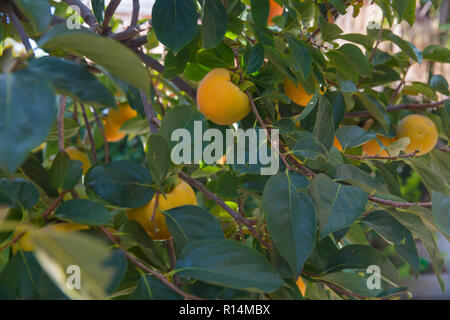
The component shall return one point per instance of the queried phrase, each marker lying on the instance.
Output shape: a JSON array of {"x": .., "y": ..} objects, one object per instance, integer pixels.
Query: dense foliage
[{"x": 86, "y": 177}]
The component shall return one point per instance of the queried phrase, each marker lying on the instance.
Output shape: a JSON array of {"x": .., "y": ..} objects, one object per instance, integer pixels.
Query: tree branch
[
  {"x": 149, "y": 113},
  {"x": 20, "y": 30},
  {"x": 399, "y": 204},
  {"x": 89, "y": 132},
  {"x": 146, "y": 269},
  {"x": 212, "y": 196},
  {"x": 155, "y": 65},
  {"x": 102, "y": 131},
  {"x": 135, "y": 14},
  {"x": 85, "y": 12},
  {"x": 109, "y": 12},
  {"x": 409, "y": 106},
  {"x": 401, "y": 156},
  {"x": 62, "y": 108}
]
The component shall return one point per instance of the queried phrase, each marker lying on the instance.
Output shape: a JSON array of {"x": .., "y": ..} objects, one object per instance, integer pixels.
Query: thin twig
[
  {"x": 85, "y": 12},
  {"x": 109, "y": 12},
  {"x": 146, "y": 269},
  {"x": 409, "y": 106},
  {"x": 149, "y": 113},
  {"x": 89, "y": 132},
  {"x": 102, "y": 131},
  {"x": 54, "y": 204},
  {"x": 173, "y": 261},
  {"x": 399, "y": 204},
  {"x": 20, "y": 30},
  {"x": 62, "y": 108},
  {"x": 180, "y": 83},
  {"x": 401, "y": 156},
  {"x": 135, "y": 14},
  {"x": 13, "y": 241},
  {"x": 212, "y": 196}
]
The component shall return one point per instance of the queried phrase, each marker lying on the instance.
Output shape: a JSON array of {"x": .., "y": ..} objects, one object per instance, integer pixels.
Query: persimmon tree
[{"x": 88, "y": 187}]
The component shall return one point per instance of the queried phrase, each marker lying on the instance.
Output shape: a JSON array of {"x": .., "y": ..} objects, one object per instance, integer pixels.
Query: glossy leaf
[
  {"x": 24, "y": 99},
  {"x": 174, "y": 22},
  {"x": 192, "y": 223},
  {"x": 17, "y": 193},
  {"x": 214, "y": 23},
  {"x": 85, "y": 212},
  {"x": 228, "y": 263},
  {"x": 291, "y": 218},
  {"x": 123, "y": 183},
  {"x": 338, "y": 206}
]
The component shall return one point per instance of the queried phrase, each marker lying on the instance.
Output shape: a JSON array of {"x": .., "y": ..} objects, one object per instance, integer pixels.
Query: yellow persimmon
[
  {"x": 421, "y": 131},
  {"x": 297, "y": 93},
  {"x": 115, "y": 120},
  {"x": 156, "y": 226},
  {"x": 275, "y": 10},
  {"x": 301, "y": 285},
  {"x": 337, "y": 144},
  {"x": 76, "y": 154},
  {"x": 220, "y": 100},
  {"x": 373, "y": 148}
]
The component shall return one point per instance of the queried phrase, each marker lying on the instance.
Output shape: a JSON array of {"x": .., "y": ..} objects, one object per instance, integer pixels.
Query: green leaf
[
  {"x": 324, "y": 126},
  {"x": 150, "y": 288},
  {"x": 174, "y": 22},
  {"x": 260, "y": 12},
  {"x": 338, "y": 206},
  {"x": 357, "y": 177},
  {"x": 432, "y": 179},
  {"x": 437, "y": 53},
  {"x": 419, "y": 230},
  {"x": 123, "y": 183},
  {"x": 358, "y": 38},
  {"x": 192, "y": 223},
  {"x": 34, "y": 171},
  {"x": 73, "y": 80},
  {"x": 220, "y": 57},
  {"x": 358, "y": 60},
  {"x": 228, "y": 263},
  {"x": 37, "y": 12},
  {"x": 254, "y": 58},
  {"x": 18, "y": 193},
  {"x": 291, "y": 218},
  {"x": 119, "y": 60},
  {"x": 339, "y": 5},
  {"x": 98, "y": 6},
  {"x": 100, "y": 270},
  {"x": 355, "y": 283},
  {"x": 309, "y": 147},
  {"x": 407, "y": 47},
  {"x": 301, "y": 57},
  {"x": 158, "y": 158},
  {"x": 178, "y": 118},
  {"x": 395, "y": 233},
  {"x": 27, "y": 111},
  {"x": 330, "y": 31},
  {"x": 353, "y": 136},
  {"x": 376, "y": 110},
  {"x": 214, "y": 23},
  {"x": 439, "y": 83},
  {"x": 23, "y": 278},
  {"x": 419, "y": 88},
  {"x": 84, "y": 212},
  {"x": 174, "y": 64},
  {"x": 358, "y": 256},
  {"x": 405, "y": 9},
  {"x": 71, "y": 128},
  {"x": 441, "y": 211},
  {"x": 65, "y": 173}
]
